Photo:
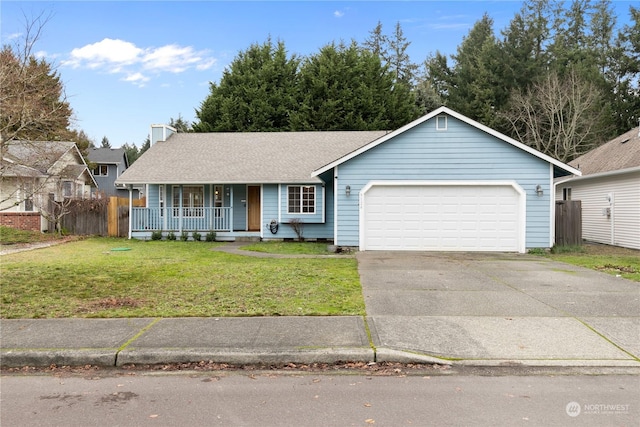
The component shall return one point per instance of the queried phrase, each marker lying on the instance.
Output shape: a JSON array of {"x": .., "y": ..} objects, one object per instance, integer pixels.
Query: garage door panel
[{"x": 433, "y": 217}]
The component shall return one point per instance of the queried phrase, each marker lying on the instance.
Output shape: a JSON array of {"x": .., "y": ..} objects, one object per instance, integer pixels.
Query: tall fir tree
[{"x": 257, "y": 92}]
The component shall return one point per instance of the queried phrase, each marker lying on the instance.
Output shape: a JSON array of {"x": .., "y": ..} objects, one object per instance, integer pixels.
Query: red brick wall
[{"x": 21, "y": 220}]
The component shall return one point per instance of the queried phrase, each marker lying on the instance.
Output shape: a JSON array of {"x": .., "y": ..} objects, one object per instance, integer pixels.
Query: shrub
[
  {"x": 211, "y": 236},
  {"x": 184, "y": 236},
  {"x": 171, "y": 236},
  {"x": 298, "y": 227},
  {"x": 196, "y": 236},
  {"x": 156, "y": 235}
]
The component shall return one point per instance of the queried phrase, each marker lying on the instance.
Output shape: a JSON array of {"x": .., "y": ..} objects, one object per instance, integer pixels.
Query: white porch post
[
  {"x": 130, "y": 187},
  {"x": 180, "y": 212},
  {"x": 231, "y": 208}
]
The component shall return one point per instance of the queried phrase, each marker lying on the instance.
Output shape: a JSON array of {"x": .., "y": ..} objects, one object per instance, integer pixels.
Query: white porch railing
[{"x": 181, "y": 219}]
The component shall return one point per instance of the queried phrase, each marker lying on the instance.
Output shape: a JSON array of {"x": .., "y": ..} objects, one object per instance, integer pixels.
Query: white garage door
[{"x": 442, "y": 217}]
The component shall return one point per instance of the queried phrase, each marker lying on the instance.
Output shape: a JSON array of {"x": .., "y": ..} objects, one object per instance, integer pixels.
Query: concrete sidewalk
[{"x": 488, "y": 341}]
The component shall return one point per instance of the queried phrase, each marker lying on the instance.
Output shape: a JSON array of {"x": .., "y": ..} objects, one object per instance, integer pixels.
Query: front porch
[
  {"x": 199, "y": 219},
  {"x": 145, "y": 221}
]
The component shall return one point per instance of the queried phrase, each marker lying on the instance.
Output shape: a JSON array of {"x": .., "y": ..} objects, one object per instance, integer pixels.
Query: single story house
[
  {"x": 108, "y": 164},
  {"x": 34, "y": 173},
  {"x": 609, "y": 191},
  {"x": 441, "y": 182}
]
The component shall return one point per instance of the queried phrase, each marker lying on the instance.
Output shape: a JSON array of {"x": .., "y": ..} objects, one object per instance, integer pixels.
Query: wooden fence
[
  {"x": 568, "y": 222},
  {"x": 100, "y": 217}
]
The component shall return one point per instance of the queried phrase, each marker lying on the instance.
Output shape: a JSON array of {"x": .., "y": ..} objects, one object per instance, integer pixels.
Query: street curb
[
  {"x": 243, "y": 357},
  {"x": 399, "y": 356},
  {"x": 497, "y": 363},
  {"x": 19, "y": 358}
]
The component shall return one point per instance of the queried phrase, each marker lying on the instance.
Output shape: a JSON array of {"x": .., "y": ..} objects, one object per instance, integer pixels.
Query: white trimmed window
[
  {"x": 441, "y": 122},
  {"x": 192, "y": 200},
  {"x": 101, "y": 170},
  {"x": 301, "y": 199}
]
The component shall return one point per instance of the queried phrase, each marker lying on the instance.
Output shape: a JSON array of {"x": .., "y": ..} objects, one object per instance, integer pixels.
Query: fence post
[{"x": 112, "y": 221}]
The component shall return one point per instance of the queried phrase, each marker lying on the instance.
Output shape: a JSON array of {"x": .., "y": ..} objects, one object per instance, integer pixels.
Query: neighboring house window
[
  {"x": 28, "y": 197},
  {"x": 302, "y": 199},
  {"x": 67, "y": 189},
  {"x": 192, "y": 200},
  {"x": 566, "y": 193},
  {"x": 101, "y": 170},
  {"x": 441, "y": 123},
  {"x": 161, "y": 199}
]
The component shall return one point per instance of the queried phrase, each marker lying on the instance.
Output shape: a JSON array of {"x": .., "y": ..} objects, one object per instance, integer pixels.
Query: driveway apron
[{"x": 499, "y": 307}]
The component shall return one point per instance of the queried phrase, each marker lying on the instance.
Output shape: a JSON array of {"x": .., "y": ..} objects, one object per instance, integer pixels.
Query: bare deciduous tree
[{"x": 557, "y": 115}]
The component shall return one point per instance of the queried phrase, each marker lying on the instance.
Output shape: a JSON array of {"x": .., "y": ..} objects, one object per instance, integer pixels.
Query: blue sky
[{"x": 128, "y": 64}]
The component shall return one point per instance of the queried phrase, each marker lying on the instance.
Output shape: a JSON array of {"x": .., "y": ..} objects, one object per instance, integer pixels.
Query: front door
[{"x": 253, "y": 208}]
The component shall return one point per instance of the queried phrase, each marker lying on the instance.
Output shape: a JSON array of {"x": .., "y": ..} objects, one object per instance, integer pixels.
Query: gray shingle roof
[
  {"x": 39, "y": 155},
  {"x": 622, "y": 152},
  {"x": 257, "y": 157},
  {"x": 106, "y": 155}
]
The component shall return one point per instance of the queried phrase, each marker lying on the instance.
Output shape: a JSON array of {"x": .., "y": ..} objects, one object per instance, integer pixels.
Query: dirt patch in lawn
[
  {"x": 601, "y": 249},
  {"x": 110, "y": 304}
]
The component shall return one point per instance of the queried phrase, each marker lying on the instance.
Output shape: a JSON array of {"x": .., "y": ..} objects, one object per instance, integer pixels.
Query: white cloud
[
  {"x": 338, "y": 13},
  {"x": 122, "y": 57},
  {"x": 105, "y": 52}
]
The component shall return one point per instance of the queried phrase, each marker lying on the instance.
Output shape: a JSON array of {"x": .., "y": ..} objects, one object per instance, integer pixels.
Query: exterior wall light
[
  {"x": 539, "y": 190},
  {"x": 347, "y": 190}
]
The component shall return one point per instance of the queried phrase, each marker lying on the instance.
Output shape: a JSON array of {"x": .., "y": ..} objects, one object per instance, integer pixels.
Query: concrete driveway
[{"x": 499, "y": 307}]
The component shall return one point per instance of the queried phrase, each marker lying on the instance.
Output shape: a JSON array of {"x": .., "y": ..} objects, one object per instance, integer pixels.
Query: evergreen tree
[
  {"x": 256, "y": 93},
  {"x": 348, "y": 88},
  {"x": 105, "y": 143},
  {"x": 377, "y": 43},
  {"x": 474, "y": 87},
  {"x": 131, "y": 151},
  {"x": 623, "y": 75},
  {"x": 180, "y": 124}
]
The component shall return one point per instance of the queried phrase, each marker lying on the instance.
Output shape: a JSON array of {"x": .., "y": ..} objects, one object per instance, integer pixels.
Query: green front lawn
[
  {"x": 608, "y": 259},
  {"x": 89, "y": 278}
]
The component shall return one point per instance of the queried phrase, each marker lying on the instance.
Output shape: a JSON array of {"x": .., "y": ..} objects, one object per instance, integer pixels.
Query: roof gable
[
  {"x": 447, "y": 111},
  {"x": 44, "y": 158}
]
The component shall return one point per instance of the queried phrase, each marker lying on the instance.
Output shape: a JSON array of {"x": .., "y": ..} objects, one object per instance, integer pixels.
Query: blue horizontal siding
[{"x": 460, "y": 153}]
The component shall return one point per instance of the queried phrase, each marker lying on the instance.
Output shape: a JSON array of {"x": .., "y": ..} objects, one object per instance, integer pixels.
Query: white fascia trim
[
  {"x": 600, "y": 175},
  {"x": 460, "y": 117},
  {"x": 522, "y": 202}
]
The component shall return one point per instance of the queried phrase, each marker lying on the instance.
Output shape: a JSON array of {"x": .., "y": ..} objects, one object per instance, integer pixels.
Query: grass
[
  {"x": 609, "y": 259},
  {"x": 289, "y": 248},
  {"x": 171, "y": 279},
  {"x": 12, "y": 236}
]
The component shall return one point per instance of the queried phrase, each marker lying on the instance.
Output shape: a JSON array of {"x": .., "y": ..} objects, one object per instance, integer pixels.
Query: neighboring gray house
[
  {"x": 442, "y": 182},
  {"x": 609, "y": 191},
  {"x": 109, "y": 163}
]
